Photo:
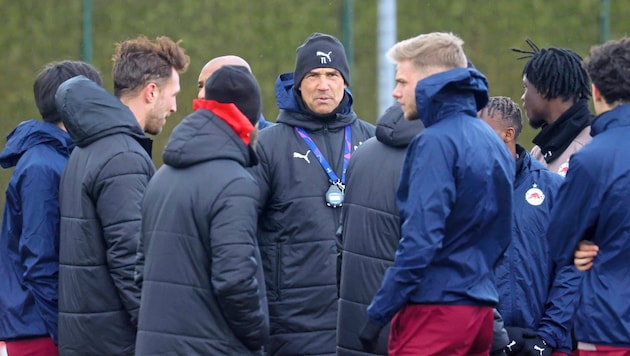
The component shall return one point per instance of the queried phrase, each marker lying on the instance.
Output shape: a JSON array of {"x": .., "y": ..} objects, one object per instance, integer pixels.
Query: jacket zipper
[{"x": 277, "y": 272}]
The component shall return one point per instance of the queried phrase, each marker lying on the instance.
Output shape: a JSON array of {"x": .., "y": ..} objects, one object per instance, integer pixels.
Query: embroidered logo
[
  {"x": 534, "y": 196},
  {"x": 564, "y": 168},
  {"x": 324, "y": 58},
  {"x": 302, "y": 156},
  {"x": 510, "y": 345}
]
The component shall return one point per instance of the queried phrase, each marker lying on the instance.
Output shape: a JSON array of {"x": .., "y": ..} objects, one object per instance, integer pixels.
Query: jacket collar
[
  {"x": 230, "y": 114},
  {"x": 555, "y": 138},
  {"x": 616, "y": 117}
]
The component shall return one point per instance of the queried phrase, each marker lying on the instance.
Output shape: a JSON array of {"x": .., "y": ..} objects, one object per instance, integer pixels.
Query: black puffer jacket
[
  {"x": 203, "y": 291},
  {"x": 296, "y": 229},
  {"x": 100, "y": 195},
  {"x": 371, "y": 226}
]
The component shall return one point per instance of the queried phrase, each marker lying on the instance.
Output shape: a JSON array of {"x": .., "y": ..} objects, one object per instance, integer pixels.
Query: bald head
[{"x": 215, "y": 64}]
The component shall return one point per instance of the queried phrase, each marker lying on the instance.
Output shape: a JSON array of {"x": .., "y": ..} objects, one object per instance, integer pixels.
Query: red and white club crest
[{"x": 534, "y": 196}]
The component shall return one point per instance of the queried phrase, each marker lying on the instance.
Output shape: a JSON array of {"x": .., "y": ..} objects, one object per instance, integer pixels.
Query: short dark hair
[
  {"x": 507, "y": 111},
  {"x": 140, "y": 61},
  {"x": 50, "y": 78},
  {"x": 608, "y": 65},
  {"x": 556, "y": 72}
]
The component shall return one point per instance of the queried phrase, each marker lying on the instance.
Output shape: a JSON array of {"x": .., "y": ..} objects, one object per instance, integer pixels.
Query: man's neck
[
  {"x": 557, "y": 107},
  {"x": 137, "y": 109}
]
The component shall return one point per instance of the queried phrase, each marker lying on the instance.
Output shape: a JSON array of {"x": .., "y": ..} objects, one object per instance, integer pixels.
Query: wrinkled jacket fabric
[
  {"x": 525, "y": 273},
  {"x": 371, "y": 226},
  {"x": 200, "y": 215},
  {"x": 296, "y": 230},
  {"x": 100, "y": 195},
  {"x": 593, "y": 204},
  {"x": 454, "y": 199},
  {"x": 29, "y": 242},
  {"x": 561, "y": 164}
]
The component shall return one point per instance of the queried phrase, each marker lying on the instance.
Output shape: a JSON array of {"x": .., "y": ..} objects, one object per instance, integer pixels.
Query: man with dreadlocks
[
  {"x": 555, "y": 98},
  {"x": 536, "y": 314}
]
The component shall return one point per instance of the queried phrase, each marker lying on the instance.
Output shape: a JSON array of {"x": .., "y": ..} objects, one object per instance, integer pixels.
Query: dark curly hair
[
  {"x": 608, "y": 65},
  {"x": 140, "y": 61},
  {"x": 50, "y": 78},
  {"x": 556, "y": 72}
]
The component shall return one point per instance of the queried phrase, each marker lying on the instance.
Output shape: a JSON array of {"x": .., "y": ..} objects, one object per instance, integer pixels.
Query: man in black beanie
[
  {"x": 218, "y": 62},
  {"x": 199, "y": 214},
  {"x": 301, "y": 177}
]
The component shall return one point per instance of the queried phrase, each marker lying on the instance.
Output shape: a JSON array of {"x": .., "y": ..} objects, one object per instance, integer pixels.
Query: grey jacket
[{"x": 203, "y": 291}]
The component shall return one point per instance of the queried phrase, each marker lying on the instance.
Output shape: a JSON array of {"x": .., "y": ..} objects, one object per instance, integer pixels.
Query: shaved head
[{"x": 215, "y": 64}]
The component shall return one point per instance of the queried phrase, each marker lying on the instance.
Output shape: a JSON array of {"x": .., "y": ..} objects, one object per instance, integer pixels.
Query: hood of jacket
[
  {"x": 616, "y": 117},
  {"x": 31, "y": 133},
  {"x": 89, "y": 113},
  {"x": 393, "y": 130},
  {"x": 292, "y": 114},
  {"x": 203, "y": 136},
  {"x": 439, "y": 95}
]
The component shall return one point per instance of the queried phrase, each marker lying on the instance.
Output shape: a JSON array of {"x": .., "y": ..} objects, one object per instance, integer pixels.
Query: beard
[
  {"x": 411, "y": 115},
  {"x": 536, "y": 123}
]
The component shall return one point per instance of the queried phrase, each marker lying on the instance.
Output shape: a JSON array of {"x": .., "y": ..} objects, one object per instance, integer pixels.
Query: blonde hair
[{"x": 435, "y": 49}]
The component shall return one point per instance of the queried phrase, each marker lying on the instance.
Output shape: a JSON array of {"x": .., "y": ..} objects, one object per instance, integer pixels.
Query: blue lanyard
[{"x": 322, "y": 160}]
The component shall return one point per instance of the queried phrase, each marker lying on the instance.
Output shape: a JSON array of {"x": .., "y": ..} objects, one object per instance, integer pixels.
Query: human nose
[
  {"x": 397, "y": 93},
  {"x": 323, "y": 84}
]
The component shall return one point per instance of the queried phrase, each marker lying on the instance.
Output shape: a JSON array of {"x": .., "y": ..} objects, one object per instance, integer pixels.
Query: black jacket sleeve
[{"x": 119, "y": 190}]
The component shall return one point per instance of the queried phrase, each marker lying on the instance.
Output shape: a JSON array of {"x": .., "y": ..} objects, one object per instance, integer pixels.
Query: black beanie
[
  {"x": 320, "y": 51},
  {"x": 236, "y": 85}
]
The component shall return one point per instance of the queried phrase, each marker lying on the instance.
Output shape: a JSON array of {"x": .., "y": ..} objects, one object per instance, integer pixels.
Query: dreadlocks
[
  {"x": 507, "y": 111},
  {"x": 556, "y": 72}
]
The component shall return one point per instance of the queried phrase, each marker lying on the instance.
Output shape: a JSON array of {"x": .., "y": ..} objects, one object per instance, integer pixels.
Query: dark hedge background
[{"x": 267, "y": 32}]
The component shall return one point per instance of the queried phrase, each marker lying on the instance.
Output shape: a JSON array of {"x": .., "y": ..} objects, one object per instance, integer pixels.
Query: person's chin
[
  {"x": 154, "y": 131},
  {"x": 324, "y": 109},
  {"x": 536, "y": 124},
  {"x": 411, "y": 115}
]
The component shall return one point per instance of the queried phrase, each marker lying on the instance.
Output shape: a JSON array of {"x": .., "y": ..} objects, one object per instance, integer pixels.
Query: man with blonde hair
[{"x": 455, "y": 204}]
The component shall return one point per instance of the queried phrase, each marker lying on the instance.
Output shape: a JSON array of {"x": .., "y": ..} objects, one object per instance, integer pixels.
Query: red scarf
[{"x": 228, "y": 113}]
